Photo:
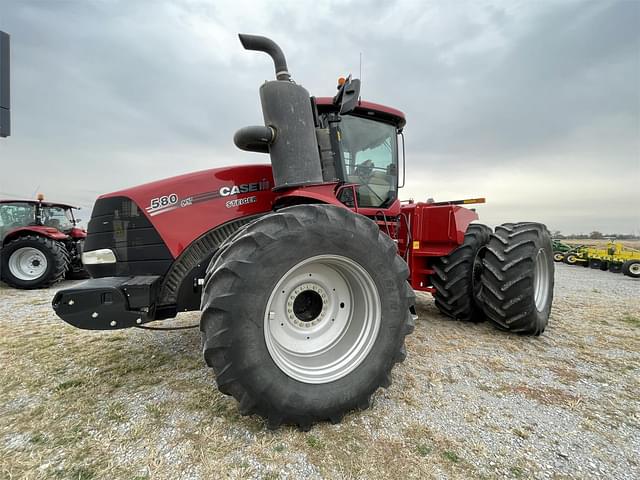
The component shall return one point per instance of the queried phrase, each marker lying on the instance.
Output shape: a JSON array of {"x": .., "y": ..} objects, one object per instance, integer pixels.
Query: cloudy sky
[{"x": 533, "y": 104}]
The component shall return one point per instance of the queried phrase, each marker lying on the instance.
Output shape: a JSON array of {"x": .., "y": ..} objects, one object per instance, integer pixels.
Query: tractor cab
[
  {"x": 28, "y": 213},
  {"x": 39, "y": 243},
  {"x": 364, "y": 150}
]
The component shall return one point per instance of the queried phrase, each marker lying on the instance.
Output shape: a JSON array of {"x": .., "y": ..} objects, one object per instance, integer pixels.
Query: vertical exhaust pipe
[
  {"x": 271, "y": 48},
  {"x": 290, "y": 134}
]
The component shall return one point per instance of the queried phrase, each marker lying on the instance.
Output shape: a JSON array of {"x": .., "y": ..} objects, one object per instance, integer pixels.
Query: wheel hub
[
  {"x": 307, "y": 304},
  {"x": 322, "y": 319},
  {"x": 27, "y": 263}
]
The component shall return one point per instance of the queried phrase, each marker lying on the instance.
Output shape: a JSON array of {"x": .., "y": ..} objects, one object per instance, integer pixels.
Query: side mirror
[
  {"x": 348, "y": 95},
  {"x": 5, "y": 116}
]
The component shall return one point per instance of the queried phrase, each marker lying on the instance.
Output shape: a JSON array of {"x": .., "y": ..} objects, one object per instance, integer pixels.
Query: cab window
[
  {"x": 370, "y": 159},
  {"x": 14, "y": 215},
  {"x": 57, "y": 217}
]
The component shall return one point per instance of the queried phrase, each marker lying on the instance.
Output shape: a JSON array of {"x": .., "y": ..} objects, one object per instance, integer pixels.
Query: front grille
[{"x": 119, "y": 224}]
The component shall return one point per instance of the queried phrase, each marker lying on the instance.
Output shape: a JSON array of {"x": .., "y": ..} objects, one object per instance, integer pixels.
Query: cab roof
[
  {"x": 35, "y": 202},
  {"x": 370, "y": 109}
]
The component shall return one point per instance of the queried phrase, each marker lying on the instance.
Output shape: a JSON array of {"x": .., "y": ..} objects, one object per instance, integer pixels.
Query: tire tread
[
  {"x": 452, "y": 277},
  {"x": 508, "y": 276}
]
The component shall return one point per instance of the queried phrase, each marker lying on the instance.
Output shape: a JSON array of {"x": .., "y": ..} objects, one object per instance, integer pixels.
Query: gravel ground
[{"x": 469, "y": 401}]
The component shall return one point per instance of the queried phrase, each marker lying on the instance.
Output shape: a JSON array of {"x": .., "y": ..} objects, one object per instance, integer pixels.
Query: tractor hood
[{"x": 169, "y": 214}]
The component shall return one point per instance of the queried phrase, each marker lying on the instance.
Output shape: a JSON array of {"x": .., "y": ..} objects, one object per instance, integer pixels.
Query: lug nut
[
  {"x": 70, "y": 302},
  {"x": 94, "y": 315},
  {"x": 113, "y": 323},
  {"x": 138, "y": 321}
]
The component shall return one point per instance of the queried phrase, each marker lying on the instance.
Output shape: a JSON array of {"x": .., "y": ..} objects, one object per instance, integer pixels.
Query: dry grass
[{"x": 138, "y": 404}]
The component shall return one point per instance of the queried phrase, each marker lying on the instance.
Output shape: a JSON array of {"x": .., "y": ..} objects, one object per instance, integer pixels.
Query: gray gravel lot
[{"x": 469, "y": 401}]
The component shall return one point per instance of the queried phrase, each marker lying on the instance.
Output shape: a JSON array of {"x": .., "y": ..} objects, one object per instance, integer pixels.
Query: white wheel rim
[
  {"x": 541, "y": 283},
  {"x": 322, "y": 319},
  {"x": 634, "y": 268},
  {"x": 27, "y": 263}
]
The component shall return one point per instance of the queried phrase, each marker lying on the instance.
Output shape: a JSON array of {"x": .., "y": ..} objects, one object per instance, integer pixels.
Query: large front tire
[
  {"x": 31, "y": 262},
  {"x": 305, "y": 314},
  {"x": 456, "y": 277},
  {"x": 517, "y": 280}
]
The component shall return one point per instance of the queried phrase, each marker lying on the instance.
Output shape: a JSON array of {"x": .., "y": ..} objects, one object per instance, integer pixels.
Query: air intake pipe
[{"x": 291, "y": 135}]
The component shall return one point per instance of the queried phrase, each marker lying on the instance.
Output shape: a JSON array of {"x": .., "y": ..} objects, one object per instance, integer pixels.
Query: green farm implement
[{"x": 561, "y": 249}]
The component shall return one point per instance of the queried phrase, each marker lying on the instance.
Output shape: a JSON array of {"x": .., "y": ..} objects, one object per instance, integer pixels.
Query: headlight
[{"x": 97, "y": 257}]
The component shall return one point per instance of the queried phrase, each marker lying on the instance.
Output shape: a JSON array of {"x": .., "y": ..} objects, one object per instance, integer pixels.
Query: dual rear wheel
[{"x": 504, "y": 276}]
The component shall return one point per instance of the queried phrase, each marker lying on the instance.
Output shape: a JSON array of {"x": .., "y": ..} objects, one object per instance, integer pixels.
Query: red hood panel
[{"x": 185, "y": 207}]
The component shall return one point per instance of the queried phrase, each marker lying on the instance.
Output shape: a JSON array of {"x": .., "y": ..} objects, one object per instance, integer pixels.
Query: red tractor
[
  {"x": 300, "y": 267},
  {"x": 40, "y": 243}
]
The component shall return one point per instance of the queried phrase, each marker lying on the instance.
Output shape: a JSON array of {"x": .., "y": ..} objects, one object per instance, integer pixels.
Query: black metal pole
[{"x": 5, "y": 106}]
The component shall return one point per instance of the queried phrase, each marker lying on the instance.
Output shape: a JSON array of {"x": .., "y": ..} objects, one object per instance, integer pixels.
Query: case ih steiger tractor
[
  {"x": 300, "y": 267},
  {"x": 40, "y": 243}
]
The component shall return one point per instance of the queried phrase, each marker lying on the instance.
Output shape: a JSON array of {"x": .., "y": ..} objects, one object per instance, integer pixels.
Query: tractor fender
[
  {"x": 42, "y": 231},
  {"x": 77, "y": 233},
  {"x": 462, "y": 219},
  {"x": 443, "y": 226},
  {"x": 324, "y": 193}
]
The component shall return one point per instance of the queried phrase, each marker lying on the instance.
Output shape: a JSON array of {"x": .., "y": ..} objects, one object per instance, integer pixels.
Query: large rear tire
[
  {"x": 305, "y": 314},
  {"x": 457, "y": 277},
  {"x": 517, "y": 279},
  {"x": 31, "y": 262}
]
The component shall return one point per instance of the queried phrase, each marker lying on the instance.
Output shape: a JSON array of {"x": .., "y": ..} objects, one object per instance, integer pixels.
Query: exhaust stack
[
  {"x": 271, "y": 48},
  {"x": 291, "y": 135}
]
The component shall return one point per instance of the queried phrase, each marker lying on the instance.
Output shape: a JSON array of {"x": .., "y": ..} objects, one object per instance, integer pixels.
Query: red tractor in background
[
  {"x": 300, "y": 267},
  {"x": 40, "y": 243}
]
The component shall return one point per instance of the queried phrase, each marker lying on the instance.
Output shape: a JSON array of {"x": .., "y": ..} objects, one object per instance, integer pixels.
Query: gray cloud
[{"x": 108, "y": 94}]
